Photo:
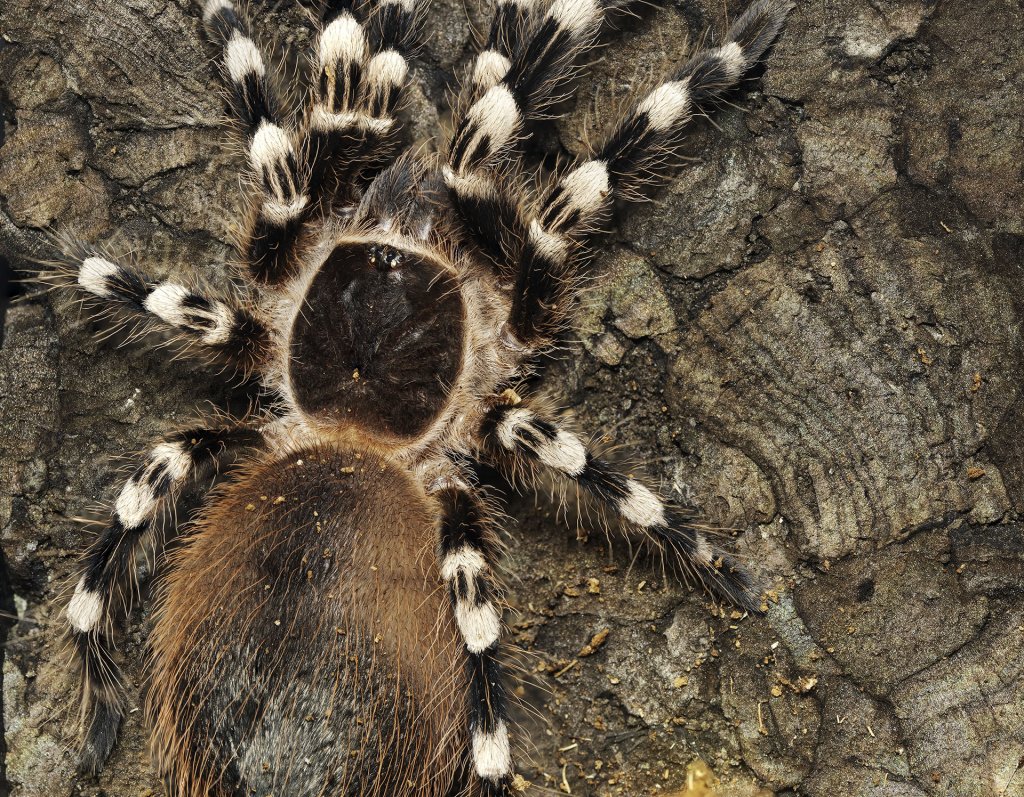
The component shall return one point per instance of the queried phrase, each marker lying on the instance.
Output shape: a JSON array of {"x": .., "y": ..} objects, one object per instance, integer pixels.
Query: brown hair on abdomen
[{"x": 302, "y": 646}]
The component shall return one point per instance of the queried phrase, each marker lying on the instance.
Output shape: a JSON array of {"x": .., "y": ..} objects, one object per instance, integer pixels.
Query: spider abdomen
[
  {"x": 297, "y": 648},
  {"x": 378, "y": 341}
]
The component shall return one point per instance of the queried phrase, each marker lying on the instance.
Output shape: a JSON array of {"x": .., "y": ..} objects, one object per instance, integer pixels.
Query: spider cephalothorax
[
  {"x": 378, "y": 322},
  {"x": 330, "y": 623}
]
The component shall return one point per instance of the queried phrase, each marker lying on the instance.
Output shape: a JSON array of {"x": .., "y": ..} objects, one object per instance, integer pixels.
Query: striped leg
[
  {"x": 517, "y": 433},
  {"x": 525, "y": 68},
  {"x": 536, "y": 78},
  {"x": 274, "y": 238},
  {"x": 466, "y": 552},
  {"x": 638, "y": 153},
  {"x": 509, "y": 26},
  {"x": 211, "y": 326},
  {"x": 108, "y": 570},
  {"x": 360, "y": 74}
]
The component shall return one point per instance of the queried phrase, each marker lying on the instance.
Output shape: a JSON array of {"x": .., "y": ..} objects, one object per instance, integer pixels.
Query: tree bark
[{"x": 814, "y": 333}]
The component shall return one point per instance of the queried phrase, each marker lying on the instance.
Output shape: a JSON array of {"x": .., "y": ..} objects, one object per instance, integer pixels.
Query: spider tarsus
[
  {"x": 100, "y": 736},
  {"x": 496, "y": 788}
]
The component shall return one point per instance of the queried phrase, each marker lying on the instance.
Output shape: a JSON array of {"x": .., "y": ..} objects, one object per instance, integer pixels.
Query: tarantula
[{"x": 329, "y": 622}]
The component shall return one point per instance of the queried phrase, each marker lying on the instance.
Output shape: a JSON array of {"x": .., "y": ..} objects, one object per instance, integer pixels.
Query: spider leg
[
  {"x": 361, "y": 70},
  {"x": 526, "y": 67},
  {"x": 467, "y": 552},
  {"x": 283, "y": 207},
  {"x": 519, "y": 434},
  {"x": 349, "y": 129},
  {"x": 109, "y": 564},
  {"x": 538, "y": 75},
  {"x": 636, "y": 154},
  {"x": 214, "y": 326},
  {"x": 509, "y": 26}
]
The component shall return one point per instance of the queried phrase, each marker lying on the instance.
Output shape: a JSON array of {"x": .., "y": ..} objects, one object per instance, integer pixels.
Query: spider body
[
  {"x": 330, "y": 624},
  {"x": 339, "y": 640}
]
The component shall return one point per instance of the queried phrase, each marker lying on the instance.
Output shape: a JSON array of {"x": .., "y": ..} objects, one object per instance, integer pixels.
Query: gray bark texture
[{"x": 814, "y": 333}]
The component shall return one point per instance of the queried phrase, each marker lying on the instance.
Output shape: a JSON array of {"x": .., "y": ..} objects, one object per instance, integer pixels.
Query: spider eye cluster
[
  {"x": 378, "y": 343},
  {"x": 384, "y": 256}
]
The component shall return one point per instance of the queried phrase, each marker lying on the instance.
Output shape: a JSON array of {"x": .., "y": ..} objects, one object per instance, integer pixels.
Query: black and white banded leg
[
  {"x": 510, "y": 27},
  {"x": 467, "y": 552},
  {"x": 538, "y": 76},
  {"x": 108, "y": 571},
  {"x": 525, "y": 68},
  {"x": 512, "y": 429},
  {"x": 206, "y": 325},
  {"x": 284, "y": 204},
  {"x": 361, "y": 70},
  {"x": 638, "y": 153}
]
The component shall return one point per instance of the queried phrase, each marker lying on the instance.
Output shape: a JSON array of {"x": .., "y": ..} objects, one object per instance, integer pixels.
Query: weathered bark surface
[{"x": 815, "y": 333}]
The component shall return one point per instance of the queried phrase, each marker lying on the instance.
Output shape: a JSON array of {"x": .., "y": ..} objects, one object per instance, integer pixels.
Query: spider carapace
[
  {"x": 328, "y": 623},
  {"x": 379, "y": 344}
]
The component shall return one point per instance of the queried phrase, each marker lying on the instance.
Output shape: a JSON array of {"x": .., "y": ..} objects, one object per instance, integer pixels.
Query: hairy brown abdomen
[{"x": 301, "y": 646}]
